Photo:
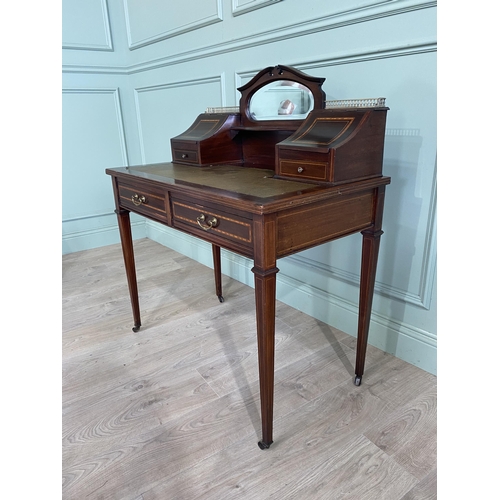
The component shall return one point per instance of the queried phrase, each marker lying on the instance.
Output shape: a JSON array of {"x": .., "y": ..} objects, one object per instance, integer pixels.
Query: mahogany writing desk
[{"x": 266, "y": 188}]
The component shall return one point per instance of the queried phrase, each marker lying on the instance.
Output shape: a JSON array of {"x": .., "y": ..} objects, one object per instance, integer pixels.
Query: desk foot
[
  {"x": 136, "y": 327},
  {"x": 357, "y": 380},
  {"x": 221, "y": 298},
  {"x": 264, "y": 446}
]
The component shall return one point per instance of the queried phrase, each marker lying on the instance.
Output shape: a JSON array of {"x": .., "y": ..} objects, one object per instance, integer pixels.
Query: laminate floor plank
[
  {"x": 312, "y": 441},
  {"x": 173, "y": 411},
  {"x": 425, "y": 489},
  {"x": 410, "y": 435}
]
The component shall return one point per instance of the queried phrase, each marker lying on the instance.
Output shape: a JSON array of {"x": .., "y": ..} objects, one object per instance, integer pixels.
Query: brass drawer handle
[
  {"x": 185, "y": 155},
  {"x": 300, "y": 170},
  {"x": 202, "y": 219},
  {"x": 138, "y": 200}
]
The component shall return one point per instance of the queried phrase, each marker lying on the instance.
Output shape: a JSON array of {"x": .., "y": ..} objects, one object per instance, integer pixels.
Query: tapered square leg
[
  {"x": 369, "y": 258},
  {"x": 265, "y": 301},
  {"x": 217, "y": 272},
  {"x": 265, "y": 271},
  {"x": 371, "y": 244},
  {"x": 128, "y": 257}
]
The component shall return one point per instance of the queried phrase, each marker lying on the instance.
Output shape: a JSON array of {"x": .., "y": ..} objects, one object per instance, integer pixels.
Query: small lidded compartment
[
  {"x": 210, "y": 140},
  {"x": 334, "y": 146}
]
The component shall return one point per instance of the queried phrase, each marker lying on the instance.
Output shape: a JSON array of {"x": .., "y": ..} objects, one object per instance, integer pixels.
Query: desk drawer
[
  {"x": 212, "y": 223},
  {"x": 143, "y": 200}
]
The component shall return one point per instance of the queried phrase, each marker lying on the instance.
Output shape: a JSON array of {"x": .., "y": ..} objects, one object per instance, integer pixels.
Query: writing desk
[{"x": 263, "y": 213}]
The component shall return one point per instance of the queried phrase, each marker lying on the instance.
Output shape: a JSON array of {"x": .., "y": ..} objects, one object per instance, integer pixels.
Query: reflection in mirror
[{"x": 281, "y": 100}]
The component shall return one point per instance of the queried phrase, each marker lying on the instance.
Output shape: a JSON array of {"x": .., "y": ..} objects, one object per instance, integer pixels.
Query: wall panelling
[
  {"x": 153, "y": 21},
  {"x": 170, "y": 60},
  {"x": 78, "y": 17}
]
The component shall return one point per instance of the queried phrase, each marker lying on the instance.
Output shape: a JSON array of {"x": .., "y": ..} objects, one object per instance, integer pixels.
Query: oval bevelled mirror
[{"x": 281, "y": 100}]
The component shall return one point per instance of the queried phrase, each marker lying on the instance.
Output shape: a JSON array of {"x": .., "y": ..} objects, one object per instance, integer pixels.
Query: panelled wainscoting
[{"x": 135, "y": 77}]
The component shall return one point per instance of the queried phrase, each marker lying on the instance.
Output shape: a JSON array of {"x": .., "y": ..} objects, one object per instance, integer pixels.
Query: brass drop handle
[
  {"x": 138, "y": 200},
  {"x": 210, "y": 223}
]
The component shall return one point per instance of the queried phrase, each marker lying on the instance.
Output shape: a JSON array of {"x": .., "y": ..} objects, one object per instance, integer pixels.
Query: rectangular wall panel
[
  {"x": 86, "y": 25},
  {"x": 157, "y": 20},
  {"x": 244, "y": 6},
  {"x": 165, "y": 111},
  {"x": 93, "y": 140}
]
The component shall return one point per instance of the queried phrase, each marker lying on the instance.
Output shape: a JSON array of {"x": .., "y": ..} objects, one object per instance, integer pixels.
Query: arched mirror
[
  {"x": 281, "y": 100},
  {"x": 280, "y": 97}
]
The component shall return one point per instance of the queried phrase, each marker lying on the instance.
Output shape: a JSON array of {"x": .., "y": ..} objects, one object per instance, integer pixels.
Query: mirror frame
[{"x": 274, "y": 74}]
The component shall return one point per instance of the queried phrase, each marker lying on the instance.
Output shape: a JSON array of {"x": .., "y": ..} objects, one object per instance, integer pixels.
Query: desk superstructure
[{"x": 282, "y": 173}]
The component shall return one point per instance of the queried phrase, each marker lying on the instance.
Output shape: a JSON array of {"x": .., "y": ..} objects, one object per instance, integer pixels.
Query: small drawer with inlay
[
  {"x": 145, "y": 201},
  {"x": 185, "y": 155},
  {"x": 185, "y": 152},
  {"x": 307, "y": 170},
  {"x": 305, "y": 165}
]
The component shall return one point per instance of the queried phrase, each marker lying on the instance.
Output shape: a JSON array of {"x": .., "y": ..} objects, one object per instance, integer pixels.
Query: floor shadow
[
  {"x": 243, "y": 385},
  {"x": 340, "y": 349}
]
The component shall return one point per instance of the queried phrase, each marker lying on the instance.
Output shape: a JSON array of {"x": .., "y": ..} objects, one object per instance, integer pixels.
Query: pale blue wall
[{"x": 136, "y": 74}]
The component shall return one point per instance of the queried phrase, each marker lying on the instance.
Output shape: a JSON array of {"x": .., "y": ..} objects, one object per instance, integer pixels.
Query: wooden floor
[{"x": 172, "y": 412}]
